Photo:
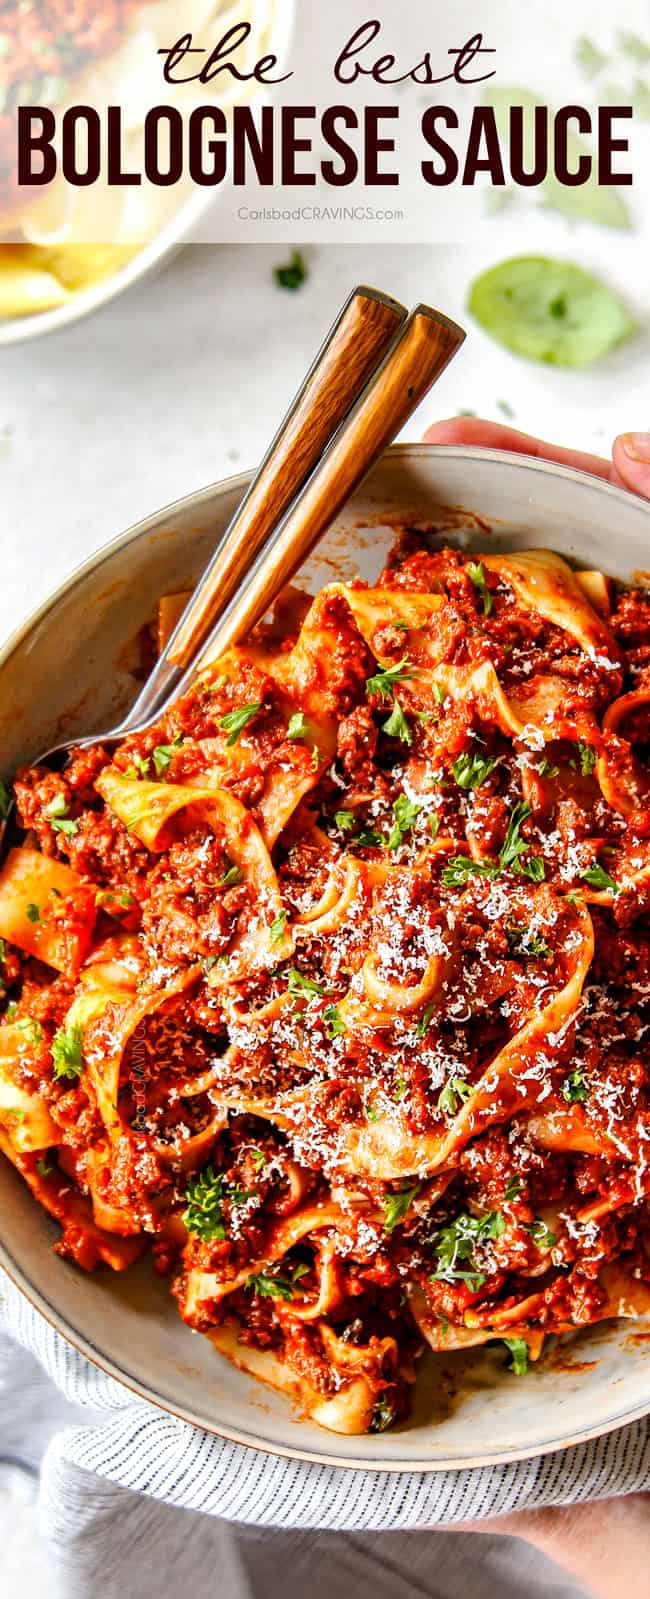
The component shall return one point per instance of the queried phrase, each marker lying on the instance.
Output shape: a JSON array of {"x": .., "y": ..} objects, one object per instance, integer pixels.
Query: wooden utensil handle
[
  {"x": 352, "y": 350},
  {"x": 420, "y": 354}
]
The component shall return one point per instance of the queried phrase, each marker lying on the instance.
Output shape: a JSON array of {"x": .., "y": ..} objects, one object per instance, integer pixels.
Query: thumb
[{"x": 632, "y": 461}]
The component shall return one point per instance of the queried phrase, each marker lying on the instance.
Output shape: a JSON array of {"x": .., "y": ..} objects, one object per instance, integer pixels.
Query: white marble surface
[{"x": 183, "y": 381}]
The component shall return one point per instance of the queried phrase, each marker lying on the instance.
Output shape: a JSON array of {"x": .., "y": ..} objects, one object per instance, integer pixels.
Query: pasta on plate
[
  {"x": 60, "y": 240},
  {"x": 332, "y": 989}
]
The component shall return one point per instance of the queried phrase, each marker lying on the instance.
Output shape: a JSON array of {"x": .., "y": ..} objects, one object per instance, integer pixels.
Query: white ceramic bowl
[
  {"x": 186, "y": 219},
  {"x": 64, "y": 671}
]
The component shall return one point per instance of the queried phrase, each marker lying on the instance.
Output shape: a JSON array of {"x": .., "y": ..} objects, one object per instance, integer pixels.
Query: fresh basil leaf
[{"x": 550, "y": 311}]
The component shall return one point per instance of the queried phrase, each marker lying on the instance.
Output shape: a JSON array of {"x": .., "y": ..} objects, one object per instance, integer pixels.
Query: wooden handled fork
[
  {"x": 352, "y": 350},
  {"x": 418, "y": 355}
]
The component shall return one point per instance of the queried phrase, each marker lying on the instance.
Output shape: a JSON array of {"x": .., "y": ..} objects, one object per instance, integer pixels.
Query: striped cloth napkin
[{"x": 128, "y": 1442}]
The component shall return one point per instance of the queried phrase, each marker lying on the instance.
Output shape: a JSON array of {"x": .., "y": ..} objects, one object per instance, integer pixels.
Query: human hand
[
  {"x": 628, "y": 469},
  {"x": 605, "y": 1544}
]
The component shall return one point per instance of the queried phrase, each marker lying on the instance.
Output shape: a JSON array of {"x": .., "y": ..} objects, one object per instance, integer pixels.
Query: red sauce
[{"x": 459, "y": 857}]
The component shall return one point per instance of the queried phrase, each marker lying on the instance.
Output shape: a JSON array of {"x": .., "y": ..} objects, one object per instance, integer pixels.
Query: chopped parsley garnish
[
  {"x": 514, "y": 846},
  {"x": 293, "y": 273},
  {"x": 526, "y": 945},
  {"x": 5, "y": 801},
  {"x": 258, "y": 1158},
  {"x": 575, "y": 1087},
  {"x": 474, "y": 1279},
  {"x": 477, "y": 576},
  {"x": 397, "y": 1205},
  {"x": 434, "y": 826},
  {"x": 400, "y": 1090},
  {"x": 383, "y": 682},
  {"x": 164, "y": 754},
  {"x": 424, "y": 1020},
  {"x": 598, "y": 878},
  {"x": 587, "y": 759},
  {"x": 519, "y": 1351},
  {"x": 368, "y": 839},
  {"x": 278, "y": 926},
  {"x": 234, "y": 722},
  {"x": 66, "y": 825},
  {"x": 298, "y": 726},
  {"x": 209, "y": 962},
  {"x": 141, "y": 766},
  {"x": 273, "y": 1285},
  {"x": 471, "y": 770},
  {"x": 372, "y": 1113},
  {"x": 383, "y": 1416},
  {"x": 298, "y": 985},
  {"x": 541, "y": 1234},
  {"x": 533, "y": 868},
  {"x": 439, "y": 693},
  {"x": 105, "y": 896},
  {"x": 455, "y": 1092},
  {"x": 203, "y": 1215},
  {"x": 33, "y": 913},
  {"x": 205, "y": 1195},
  {"x": 406, "y": 813},
  {"x": 545, "y": 768},
  {"x": 334, "y": 1021},
  {"x": 515, "y": 1185},
  {"x": 42, "y": 1167},
  {"x": 344, "y": 821},
  {"x": 233, "y": 875},
  {"x": 462, "y": 867},
  {"x": 67, "y": 1051},
  {"x": 458, "y": 1241},
  {"x": 397, "y": 726}
]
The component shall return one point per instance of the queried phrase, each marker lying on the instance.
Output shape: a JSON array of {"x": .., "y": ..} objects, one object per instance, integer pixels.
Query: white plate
[{"x": 63, "y": 672}]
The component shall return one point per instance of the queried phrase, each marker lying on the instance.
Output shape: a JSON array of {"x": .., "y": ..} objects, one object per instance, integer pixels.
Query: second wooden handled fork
[
  {"x": 352, "y": 350},
  {"x": 415, "y": 359}
]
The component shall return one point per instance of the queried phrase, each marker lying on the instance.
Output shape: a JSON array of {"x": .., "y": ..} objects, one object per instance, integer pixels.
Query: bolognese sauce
[{"x": 332, "y": 988}]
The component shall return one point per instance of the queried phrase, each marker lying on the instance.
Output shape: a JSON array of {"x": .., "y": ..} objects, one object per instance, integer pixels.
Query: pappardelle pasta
[{"x": 331, "y": 989}]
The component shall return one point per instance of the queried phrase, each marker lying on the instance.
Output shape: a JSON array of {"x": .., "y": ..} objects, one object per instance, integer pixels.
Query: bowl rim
[
  {"x": 198, "y": 498},
  {"x": 35, "y": 1295}
]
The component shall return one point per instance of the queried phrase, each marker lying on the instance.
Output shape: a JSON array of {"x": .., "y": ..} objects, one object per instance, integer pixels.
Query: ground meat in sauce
[{"x": 433, "y": 875}]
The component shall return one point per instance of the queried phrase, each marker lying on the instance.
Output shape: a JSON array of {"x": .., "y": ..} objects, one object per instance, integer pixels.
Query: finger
[
  {"x": 632, "y": 461},
  {"x": 494, "y": 436}
]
